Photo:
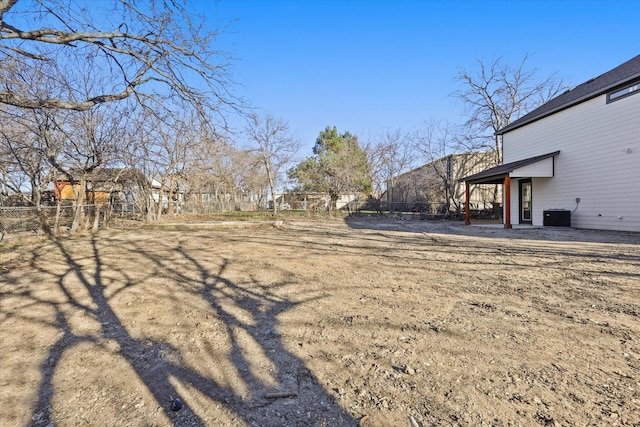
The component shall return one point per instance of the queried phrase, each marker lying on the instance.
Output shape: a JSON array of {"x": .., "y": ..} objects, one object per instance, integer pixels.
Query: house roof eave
[
  {"x": 497, "y": 174},
  {"x": 618, "y": 76}
]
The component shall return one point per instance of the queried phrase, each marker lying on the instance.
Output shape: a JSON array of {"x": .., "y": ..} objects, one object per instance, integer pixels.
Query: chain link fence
[
  {"x": 21, "y": 220},
  {"x": 429, "y": 210},
  {"x": 209, "y": 207}
]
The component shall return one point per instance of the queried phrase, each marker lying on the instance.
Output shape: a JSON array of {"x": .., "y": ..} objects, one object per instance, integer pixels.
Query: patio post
[
  {"x": 467, "y": 212},
  {"x": 507, "y": 202}
]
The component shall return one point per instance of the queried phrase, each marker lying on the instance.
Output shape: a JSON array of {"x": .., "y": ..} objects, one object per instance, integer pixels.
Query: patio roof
[{"x": 518, "y": 169}]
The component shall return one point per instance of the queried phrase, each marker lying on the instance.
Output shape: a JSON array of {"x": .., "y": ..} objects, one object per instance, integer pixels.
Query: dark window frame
[
  {"x": 521, "y": 219},
  {"x": 631, "y": 89}
]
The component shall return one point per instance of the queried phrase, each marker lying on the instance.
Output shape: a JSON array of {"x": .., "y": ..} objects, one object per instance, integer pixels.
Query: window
[
  {"x": 205, "y": 198},
  {"x": 624, "y": 92}
]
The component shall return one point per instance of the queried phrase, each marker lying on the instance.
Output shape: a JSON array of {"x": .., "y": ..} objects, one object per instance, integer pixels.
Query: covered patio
[{"x": 538, "y": 166}]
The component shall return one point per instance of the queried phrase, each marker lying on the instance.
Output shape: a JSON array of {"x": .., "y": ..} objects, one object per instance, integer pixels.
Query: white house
[{"x": 575, "y": 159}]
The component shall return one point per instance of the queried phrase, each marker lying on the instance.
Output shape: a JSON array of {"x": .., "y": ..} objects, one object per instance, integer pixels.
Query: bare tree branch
[
  {"x": 273, "y": 146},
  {"x": 497, "y": 93},
  {"x": 137, "y": 48}
]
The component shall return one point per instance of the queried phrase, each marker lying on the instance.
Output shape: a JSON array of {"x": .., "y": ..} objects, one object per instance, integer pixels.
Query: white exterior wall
[
  {"x": 537, "y": 169},
  {"x": 599, "y": 162}
]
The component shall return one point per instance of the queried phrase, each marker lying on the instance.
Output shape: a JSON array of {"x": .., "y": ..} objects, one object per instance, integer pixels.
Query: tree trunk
[
  {"x": 107, "y": 215},
  {"x": 79, "y": 217},
  {"x": 333, "y": 203},
  {"x": 150, "y": 207},
  {"x": 273, "y": 196},
  {"x": 44, "y": 224},
  {"x": 170, "y": 206},
  {"x": 96, "y": 217},
  {"x": 159, "y": 205},
  {"x": 56, "y": 227}
]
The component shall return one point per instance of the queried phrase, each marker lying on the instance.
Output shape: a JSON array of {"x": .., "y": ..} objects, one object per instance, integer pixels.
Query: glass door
[{"x": 525, "y": 202}]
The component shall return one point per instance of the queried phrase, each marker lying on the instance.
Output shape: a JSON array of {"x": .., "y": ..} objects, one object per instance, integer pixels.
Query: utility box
[{"x": 557, "y": 218}]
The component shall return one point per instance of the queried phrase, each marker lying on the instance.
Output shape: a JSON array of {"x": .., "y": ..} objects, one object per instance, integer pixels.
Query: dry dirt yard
[{"x": 321, "y": 323}]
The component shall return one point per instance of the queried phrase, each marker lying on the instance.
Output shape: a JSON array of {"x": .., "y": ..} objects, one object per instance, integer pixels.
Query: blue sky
[{"x": 372, "y": 66}]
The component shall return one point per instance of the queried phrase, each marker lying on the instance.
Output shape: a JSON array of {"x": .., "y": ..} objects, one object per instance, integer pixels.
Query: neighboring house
[
  {"x": 435, "y": 187},
  {"x": 301, "y": 200},
  {"x": 175, "y": 195},
  {"x": 103, "y": 186},
  {"x": 348, "y": 201},
  {"x": 575, "y": 158},
  {"x": 313, "y": 201},
  {"x": 208, "y": 193}
]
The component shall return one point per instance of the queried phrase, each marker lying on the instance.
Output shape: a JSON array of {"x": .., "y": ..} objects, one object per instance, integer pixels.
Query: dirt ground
[{"x": 321, "y": 323}]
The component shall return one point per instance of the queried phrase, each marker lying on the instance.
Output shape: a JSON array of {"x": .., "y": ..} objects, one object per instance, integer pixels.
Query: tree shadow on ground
[{"x": 274, "y": 387}]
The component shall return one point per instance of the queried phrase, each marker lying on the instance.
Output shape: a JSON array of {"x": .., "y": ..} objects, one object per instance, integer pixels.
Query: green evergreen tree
[{"x": 339, "y": 166}]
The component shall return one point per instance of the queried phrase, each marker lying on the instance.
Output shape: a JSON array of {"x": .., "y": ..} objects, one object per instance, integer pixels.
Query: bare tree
[
  {"x": 144, "y": 50},
  {"x": 450, "y": 155},
  {"x": 229, "y": 178},
  {"x": 390, "y": 156},
  {"x": 246, "y": 178},
  {"x": 89, "y": 140},
  {"x": 165, "y": 150},
  {"x": 187, "y": 164},
  {"x": 274, "y": 147},
  {"x": 436, "y": 142},
  {"x": 23, "y": 158},
  {"x": 29, "y": 136},
  {"x": 495, "y": 94},
  {"x": 28, "y": 140}
]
